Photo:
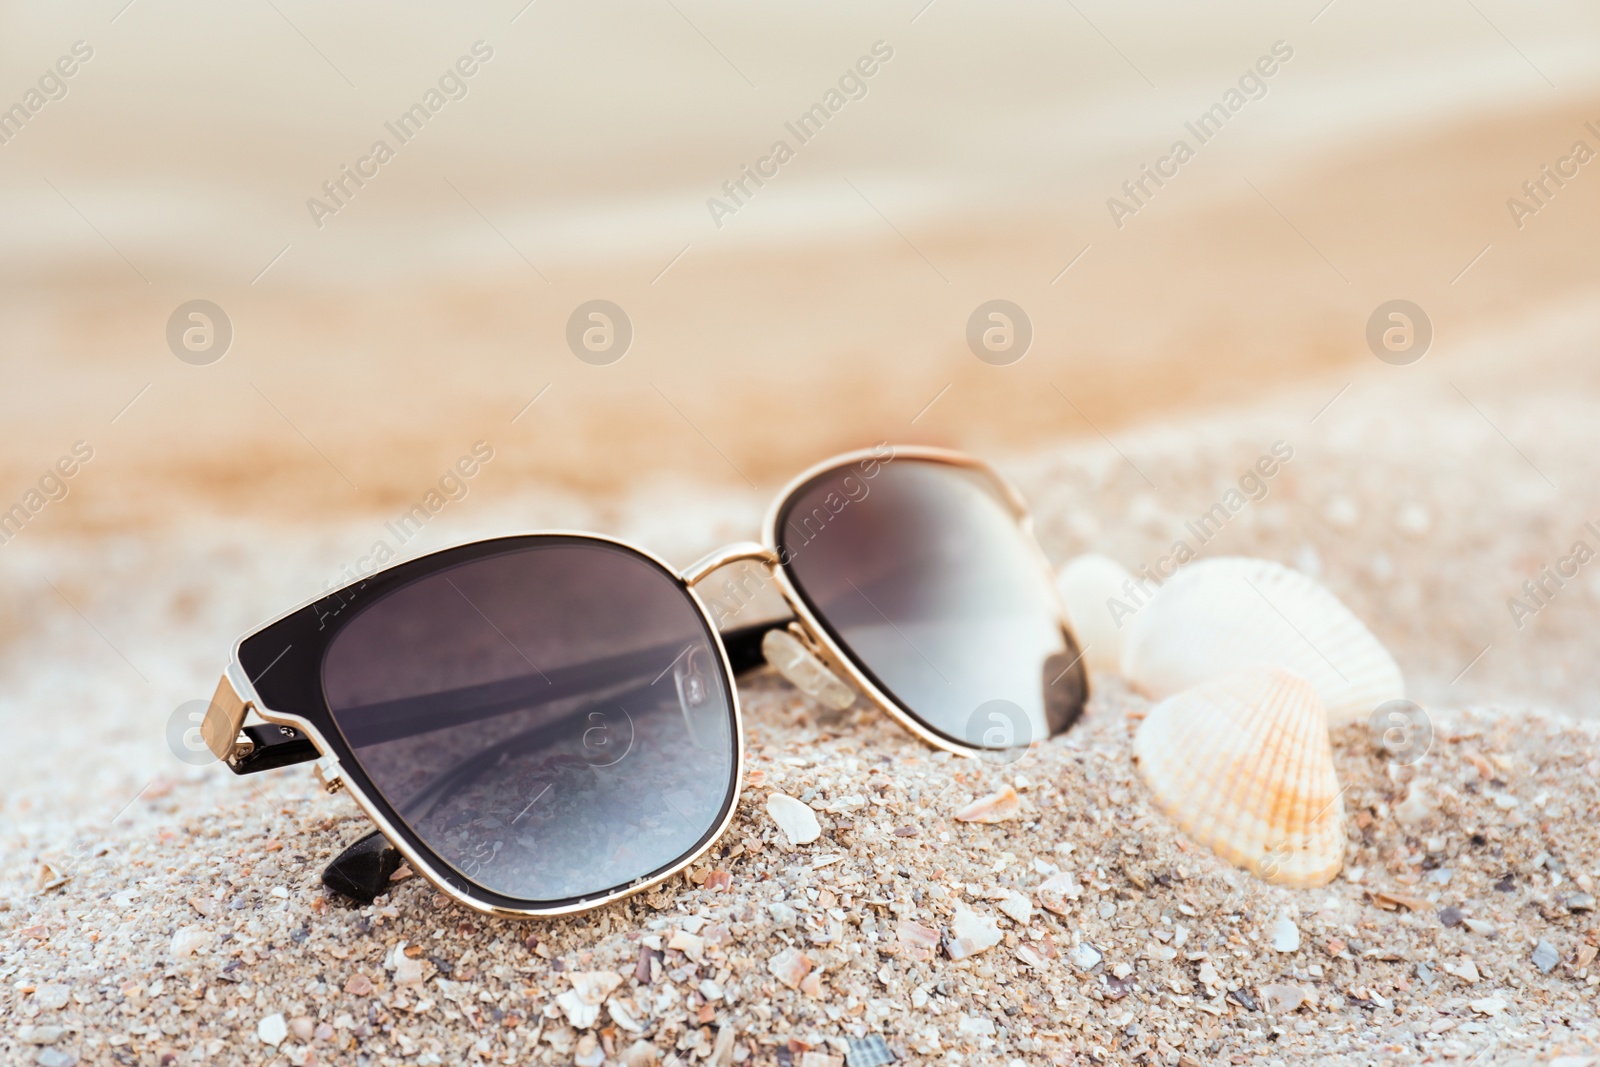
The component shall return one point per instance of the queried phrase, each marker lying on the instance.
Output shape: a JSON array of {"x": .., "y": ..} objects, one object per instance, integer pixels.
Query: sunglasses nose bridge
[
  {"x": 787, "y": 653},
  {"x": 702, "y": 568}
]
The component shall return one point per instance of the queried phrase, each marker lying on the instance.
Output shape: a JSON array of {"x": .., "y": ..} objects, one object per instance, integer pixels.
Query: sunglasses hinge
[
  {"x": 223, "y": 725},
  {"x": 329, "y": 774}
]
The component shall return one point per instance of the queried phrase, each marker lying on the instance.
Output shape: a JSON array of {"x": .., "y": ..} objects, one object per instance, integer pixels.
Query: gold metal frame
[{"x": 236, "y": 696}]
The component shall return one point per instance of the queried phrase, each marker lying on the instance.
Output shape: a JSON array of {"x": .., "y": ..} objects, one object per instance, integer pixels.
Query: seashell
[
  {"x": 1057, "y": 892},
  {"x": 996, "y": 807},
  {"x": 921, "y": 942},
  {"x": 971, "y": 933},
  {"x": 1216, "y": 616},
  {"x": 1087, "y": 586},
  {"x": 790, "y": 967},
  {"x": 1243, "y": 765},
  {"x": 798, "y": 822}
]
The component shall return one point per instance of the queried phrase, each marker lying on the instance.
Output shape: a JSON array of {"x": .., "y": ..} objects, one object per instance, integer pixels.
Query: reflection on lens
[
  {"x": 553, "y": 721},
  {"x": 921, "y": 573}
]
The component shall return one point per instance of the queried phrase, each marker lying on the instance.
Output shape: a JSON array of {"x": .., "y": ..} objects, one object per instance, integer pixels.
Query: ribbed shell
[
  {"x": 1086, "y": 585},
  {"x": 1243, "y": 765},
  {"x": 1216, "y": 616}
]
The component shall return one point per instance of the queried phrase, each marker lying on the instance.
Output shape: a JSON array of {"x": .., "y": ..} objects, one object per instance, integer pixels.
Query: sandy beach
[
  {"x": 155, "y": 911},
  {"x": 180, "y": 922}
]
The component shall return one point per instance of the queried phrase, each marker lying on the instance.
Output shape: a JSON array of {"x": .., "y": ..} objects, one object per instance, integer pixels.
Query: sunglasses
[{"x": 542, "y": 724}]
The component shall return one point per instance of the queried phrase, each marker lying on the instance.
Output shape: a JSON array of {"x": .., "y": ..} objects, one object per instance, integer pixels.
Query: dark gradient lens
[
  {"x": 552, "y": 721},
  {"x": 920, "y": 571}
]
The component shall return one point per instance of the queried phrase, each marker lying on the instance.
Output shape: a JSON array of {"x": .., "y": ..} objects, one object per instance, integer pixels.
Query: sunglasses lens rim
[
  {"x": 284, "y": 690},
  {"x": 870, "y": 467}
]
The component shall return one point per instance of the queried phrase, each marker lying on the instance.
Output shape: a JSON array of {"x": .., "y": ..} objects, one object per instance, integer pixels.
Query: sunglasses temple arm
[{"x": 275, "y": 746}]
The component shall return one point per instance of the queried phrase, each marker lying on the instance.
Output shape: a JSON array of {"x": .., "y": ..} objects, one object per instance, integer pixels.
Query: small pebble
[
  {"x": 1285, "y": 935},
  {"x": 55, "y": 1057},
  {"x": 1085, "y": 956},
  {"x": 40, "y": 1035},
  {"x": 188, "y": 940},
  {"x": 50, "y": 996},
  {"x": 273, "y": 1029},
  {"x": 1450, "y": 916}
]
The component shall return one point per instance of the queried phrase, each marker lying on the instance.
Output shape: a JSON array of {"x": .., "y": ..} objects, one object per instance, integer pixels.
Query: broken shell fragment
[
  {"x": 1243, "y": 765},
  {"x": 790, "y": 967},
  {"x": 996, "y": 807},
  {"x": 581, "y": 1003},
  {"x": 797, "y": 821},
  {"x": 1057, "y": 893},
  {"x": 921, "y": 943},
  {"x": 971, "y": 933},
  {"x": 1017, "y": 907},
  {"x": 1217, "y": 616},
  {"x": 1280, "y": 998}
]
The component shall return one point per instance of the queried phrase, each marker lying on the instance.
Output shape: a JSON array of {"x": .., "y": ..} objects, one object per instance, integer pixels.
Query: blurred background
[{"x": 363, "y": 333}]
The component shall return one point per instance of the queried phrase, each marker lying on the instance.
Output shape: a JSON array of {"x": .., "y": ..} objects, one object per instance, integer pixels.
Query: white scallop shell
[
  {"x": 1243, "y": 765},
  {"x": 1219, "y": 615},
  {"x": 1088, "y": 585}
]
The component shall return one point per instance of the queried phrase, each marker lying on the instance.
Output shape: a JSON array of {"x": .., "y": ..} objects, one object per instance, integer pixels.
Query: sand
[
  {"x": 155, "y": 912},
  {"x": 183, "y": 921}
]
